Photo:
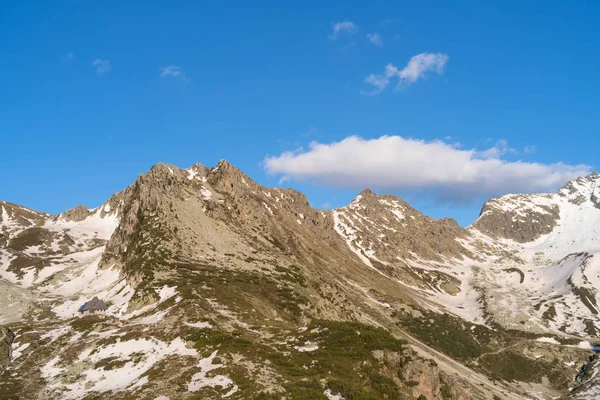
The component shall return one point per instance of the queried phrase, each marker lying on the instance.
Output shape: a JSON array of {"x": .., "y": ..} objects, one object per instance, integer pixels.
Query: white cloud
[
  {"x": 416, "y": 69},
  {"x": 102, "y": 66},
  {"x": 529, "y": 149},
  {"x": 69, "y": 57},
  {"x": 375, "y": 38},
  {"x": 421, "y": 63},
  {"x": 173, "y": 71},
  {"x": 344, "y": 26},
  {"x": 395, "y": 163},
  {"x": 379, "y": 81},
  {"x": 498, "y": 150},
  {"x": 170, "y": 70}
]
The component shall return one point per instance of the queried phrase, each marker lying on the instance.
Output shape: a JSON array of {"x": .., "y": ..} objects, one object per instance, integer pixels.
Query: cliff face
[{"x": 6, "y": 340}]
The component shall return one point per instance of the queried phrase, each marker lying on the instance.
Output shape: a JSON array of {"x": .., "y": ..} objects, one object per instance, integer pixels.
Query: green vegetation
[
  {"x": 477, "y": 347},
  {"x": 445, "y": 389},
  {"x": 450, "y": 334},
  {"x": 247, "y": 292},
  {"x": 511, "y": 366},
  {"x": 344, "y": 359}
]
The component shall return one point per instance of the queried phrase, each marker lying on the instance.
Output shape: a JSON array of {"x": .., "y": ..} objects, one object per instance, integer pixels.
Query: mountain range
[{"x": 218, "y": 287}]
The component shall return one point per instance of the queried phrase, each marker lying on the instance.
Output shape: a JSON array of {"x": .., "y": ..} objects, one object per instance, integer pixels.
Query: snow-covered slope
[
  {"x": 56, "y": 258},
  {"x": 547, "y": 275}
]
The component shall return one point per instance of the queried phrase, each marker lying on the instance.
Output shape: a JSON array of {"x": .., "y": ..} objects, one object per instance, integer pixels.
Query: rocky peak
[
  {"x": 75, "y": 214},
  {"x": 224, "y": 177},
  {"x": 197, "y": 171},
  {"x": 367, "y": 194},
  {"x": 583, "y": 189},
  {"x": 526, "y": 217}
]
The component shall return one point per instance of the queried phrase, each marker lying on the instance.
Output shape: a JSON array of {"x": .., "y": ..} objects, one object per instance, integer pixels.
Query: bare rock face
[
  {"x": 524, "y": 218},
  {"x": 517, "y": 217},
  {"x": 387, "y": 230},
  {"x": 6, "y": 340},
  {"x": 75, "y": 214}
]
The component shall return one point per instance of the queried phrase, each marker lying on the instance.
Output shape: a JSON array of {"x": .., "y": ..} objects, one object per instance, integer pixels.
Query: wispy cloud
[
  {"x": 375, "y": 38},
  {"x": 342, "y": 27},
  {"x": 68, "y": 57},
  {"x": 174, "y": 72},
  {"x": 418, "y": 66},
  {"x": 529, "y": 149},
  {"x": 170, "y": 70},
  {"x": 500, "y": 149},
  {"x": 102, "y": 66},
  {"x": 379, "y": 81},
  {"x": 422, "y": 63},
  {"x": 395, "y": 163}
]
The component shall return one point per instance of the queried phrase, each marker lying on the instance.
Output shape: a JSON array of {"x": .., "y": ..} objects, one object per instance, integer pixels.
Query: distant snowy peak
[
  {"x": 583, "y": 189},
  {"x": 527, "y": 217}
]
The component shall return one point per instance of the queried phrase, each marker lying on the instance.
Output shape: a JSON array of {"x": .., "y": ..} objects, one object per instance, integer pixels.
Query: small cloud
[
  {"x": 342, "y": 27},
  {"x": 416, "y": 68},
  {"x": 102, "y": 66},
  {"x": 326, "y": 205},
  {"x": 500, "y": 149},
  {"x": 68, "y": 57},
  {"x": 420, "y": 64},
  {"x": 396, "y": 163},
  {"x": 397, "y": 36},
  {"x": 379, "y": 81},
  {"x": 170, "y": 70},
  {"x": 375, "y": 38},
  {"x": 173, "y": 71},
  {"x": 529, "y": 149}
]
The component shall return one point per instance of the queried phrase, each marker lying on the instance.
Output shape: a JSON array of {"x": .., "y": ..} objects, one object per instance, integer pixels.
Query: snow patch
[
  {"x": 18, "y": 351},
  {"x": 200, "y": 379},
  {"x": 332, "y": 396},
  {"x": 201, "y": 325},
  {"x": 547, "y": 340}
]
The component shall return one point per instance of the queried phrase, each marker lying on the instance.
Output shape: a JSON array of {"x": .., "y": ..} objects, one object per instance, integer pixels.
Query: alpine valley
[{"x": 217, "y": 287}]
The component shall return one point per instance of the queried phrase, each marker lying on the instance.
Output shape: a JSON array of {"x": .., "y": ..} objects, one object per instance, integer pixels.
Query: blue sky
[{"x": 94, "y": 93}]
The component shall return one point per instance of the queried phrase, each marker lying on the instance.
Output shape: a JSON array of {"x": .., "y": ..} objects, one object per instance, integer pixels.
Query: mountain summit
[{"x": 218, "y": 287}]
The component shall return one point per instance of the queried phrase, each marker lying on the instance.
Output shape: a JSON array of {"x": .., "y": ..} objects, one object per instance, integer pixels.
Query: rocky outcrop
[
  {"x": 517, "y": 217},
  {"x": 386, "y": 229},
  {"x": 6, "y": 340},
  {"x": 75, "y": 214}
]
